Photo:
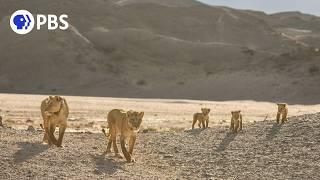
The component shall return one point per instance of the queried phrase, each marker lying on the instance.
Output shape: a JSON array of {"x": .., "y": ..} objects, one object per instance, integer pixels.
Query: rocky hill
[{"x": 163, "y": 49}]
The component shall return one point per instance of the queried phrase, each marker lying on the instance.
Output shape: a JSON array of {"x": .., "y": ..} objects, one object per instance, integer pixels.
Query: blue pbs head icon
[{"x": 22, "y": 22}]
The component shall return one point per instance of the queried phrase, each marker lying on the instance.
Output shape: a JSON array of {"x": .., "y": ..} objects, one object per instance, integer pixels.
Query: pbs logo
[{"x": 22, "y": 22}]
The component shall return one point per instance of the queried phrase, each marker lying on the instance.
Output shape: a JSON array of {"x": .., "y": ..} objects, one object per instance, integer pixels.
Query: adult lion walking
[
  {"x": 125, "y": 124},
  {"x": 55, "y": 112}
]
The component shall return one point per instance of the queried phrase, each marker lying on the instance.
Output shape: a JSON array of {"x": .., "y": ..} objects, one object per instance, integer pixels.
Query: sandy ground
[
  {"x": 262, "y": 150},
  {"x": 89, "y": 113}
]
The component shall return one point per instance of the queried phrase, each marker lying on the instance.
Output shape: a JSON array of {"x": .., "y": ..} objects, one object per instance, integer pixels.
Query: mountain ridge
[{"x": 152, "y": 50}]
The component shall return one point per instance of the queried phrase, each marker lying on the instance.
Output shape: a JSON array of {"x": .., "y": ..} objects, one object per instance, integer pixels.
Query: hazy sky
[{"x": 271, "y": 6}]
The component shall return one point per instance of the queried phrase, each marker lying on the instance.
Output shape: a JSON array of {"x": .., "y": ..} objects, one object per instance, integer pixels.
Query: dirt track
[{"x": 261, "y": 151}]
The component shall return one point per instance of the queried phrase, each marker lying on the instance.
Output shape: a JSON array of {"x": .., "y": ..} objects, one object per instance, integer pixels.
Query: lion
[
  {"x": 55, "y": 112},
  {"x": 236, "y": 121},
  {"x": 203, "y": 118},
  {"x": 282, "y": 111},
  {"x": 125, "y": 124}
]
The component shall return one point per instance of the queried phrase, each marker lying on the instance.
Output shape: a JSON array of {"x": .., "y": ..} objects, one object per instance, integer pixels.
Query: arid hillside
[
  {"x": 263, "y": 150},
  {"x": 163, "y": 49}
]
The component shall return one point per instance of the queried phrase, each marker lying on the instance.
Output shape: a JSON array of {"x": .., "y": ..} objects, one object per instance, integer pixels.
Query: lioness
[
  {"x": 236, "y": 121},
  {"x": 203, "y": 118},
  {"x": 125, "y": 124},
  {"x": 54, "y": 111},
  {"x": 283, "y": 111}
]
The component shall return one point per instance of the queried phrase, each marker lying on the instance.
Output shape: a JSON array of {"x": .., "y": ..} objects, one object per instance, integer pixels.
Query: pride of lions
[{"x": 126, "y": 124}]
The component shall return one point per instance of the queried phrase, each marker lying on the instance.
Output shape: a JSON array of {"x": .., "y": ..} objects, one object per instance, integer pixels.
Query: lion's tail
[{"x": 104, "y": 132}]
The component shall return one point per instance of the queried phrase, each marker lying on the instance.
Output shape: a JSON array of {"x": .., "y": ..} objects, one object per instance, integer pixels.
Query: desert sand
[
  {"x": 263, "y": 150},
  {"x": 89, "y": 113}
]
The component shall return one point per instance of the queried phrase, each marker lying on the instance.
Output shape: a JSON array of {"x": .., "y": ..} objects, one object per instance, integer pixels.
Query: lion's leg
[
  {"x": 113, "y": 141},
  {"x": 124, "y": 149},
  {"x": 232, "y": 125},
  {"x": 199, "y": 123},
  {"x": 46, "y": 136},
  {"x": 284, "y": 117},
  {"x": 108, "y": 150},
  {"x": 46, "y": 132},
  {"x": 194, "y": 121},
  {"x": 236, "y": 126},
  {"x": 52, "y": 139},
  {"x": 240, "y": 123},
  {"x": 203, "y": 125},
  {"x": 62, "y": 129},
  {"x": 109, "y": 137},
  {"x": 278, "y": 117},
  {"x": 207, "y": 123},
  {"x": 132, "y": 141}
]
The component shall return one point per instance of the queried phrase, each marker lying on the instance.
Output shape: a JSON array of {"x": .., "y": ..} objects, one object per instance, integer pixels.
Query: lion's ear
[
  {"x": 58, "y": 98},
  {"x": 141, "y": 114},
  {"x": 50, "y": 97},
  {"x": 209, "y": 109},
  {"x": 129, "y": 113}
]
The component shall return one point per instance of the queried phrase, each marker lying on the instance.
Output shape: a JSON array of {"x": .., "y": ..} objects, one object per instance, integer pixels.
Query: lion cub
[
  {"x": 125, "y": 124},
  {"x": 236, "y": 121},
  {"x": 54, "y": 111},
  {"x": 203, "y": 118},
  {"x": 282, "y": 111}
]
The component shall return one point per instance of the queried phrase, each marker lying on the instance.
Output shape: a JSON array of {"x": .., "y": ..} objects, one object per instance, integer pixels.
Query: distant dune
[{"x": 163, "y": 49}]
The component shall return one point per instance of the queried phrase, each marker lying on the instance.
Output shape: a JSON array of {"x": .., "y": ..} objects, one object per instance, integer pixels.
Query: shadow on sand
[
  {"x": 194, "y": 131},
  {"x": 28, "y": 150},
  {"x": 273, "y": 131},
  {"x": 106, "y": 165},
  {"x": 228, "y": 138}
]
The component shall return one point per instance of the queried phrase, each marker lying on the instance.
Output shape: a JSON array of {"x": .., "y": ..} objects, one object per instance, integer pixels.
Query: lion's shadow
[
  {"x": 28, "y": 150},
  {"x": 228, "y": 138},
  {"x": 275, "y": 129},
  {"x": 106, "y": 165},
  {"x": 194, "y": 131}
]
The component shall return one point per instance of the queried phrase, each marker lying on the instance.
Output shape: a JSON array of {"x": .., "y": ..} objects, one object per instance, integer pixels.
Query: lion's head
[
  {"x": 281, "y": 106},
  {"x": 205, "y": 111},
  {"x": 54, "y": 104},
  {"x": 134, "y": 119},
  {"x": 236, "y": 114}
]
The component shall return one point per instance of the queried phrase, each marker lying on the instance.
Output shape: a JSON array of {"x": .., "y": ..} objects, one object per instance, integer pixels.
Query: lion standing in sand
[
  {"x": 236, "y": 121},
  {"x": 282, "y": 111},
  {"x": 55, "y": 112},
  {"x": 125, "y": 124},
  {"x": 203, "y": 118}
]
